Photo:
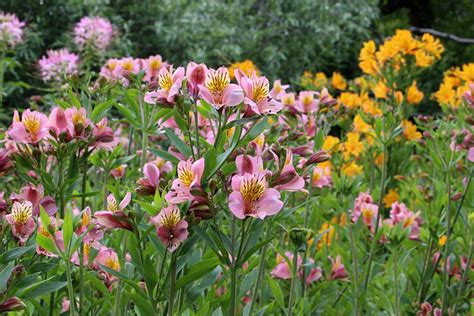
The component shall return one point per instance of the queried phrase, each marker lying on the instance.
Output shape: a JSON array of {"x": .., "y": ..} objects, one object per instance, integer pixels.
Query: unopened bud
[
  {"x": 320, "y": 156},
  {"x": 302, "y": 151},
  {"x": 456, "y": 196},
  {"x": 12, "y": 304}
]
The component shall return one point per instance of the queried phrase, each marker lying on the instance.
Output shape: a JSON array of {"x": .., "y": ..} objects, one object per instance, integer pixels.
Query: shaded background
[{"x": 283, "y": 38}]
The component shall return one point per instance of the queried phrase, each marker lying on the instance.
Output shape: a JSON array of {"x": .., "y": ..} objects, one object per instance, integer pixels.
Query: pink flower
[
  {"x": 5, "y": 161},
  {"x": 195, "y": 75},
  {"x": 369, "y": 213},
  {"x": 282, "y": 269},
  {"x": 108, "y": 258},
  {"x": 153, "y": 66},
  {"x": 65, "y": 305},
  {"x": 289, "y": 180},
  {"x": 257, "y": 93},
  {"x": 321, "y": 177},
  {"x": 12, "y": 304},
  {"x": 171, "y": 229},
  {"x": 77, "y": 121},
  {"x": 400, "y": 213},
  {"x": 57, "y": 121},
  {"x": 21, "y": 220},
  {"x": 306, "y": 102},
  {"x": 111, "y": 69},
  {"x": 103, "y": 135},
  {"x": 252, "y": 197},
  {"x": 189, "y": 175},
  {"x": 96, "y": 32},
  {"x": 364, "y": 197},
  {"x": 314, "y": 275},
  {"x": 114, "y": 216},
  {"x": 57, "y": 64},
  {"x": 11, "y": 29},
  {"x": 43, "y": 231},
  {"x": 470, "y": 154},
  {"x": 32, "y": 128},
  {"x": 338, "y": 271},
  {"x": 278, "y": 90},
  {"x": 169, "y": 85},
  {"x": 148, "y": 184},
  {"x": 35, "y": 194},
  {"x": 119, "y": 172},
  {"x": 248, "y": 164},
  {"x": 218, "y": 91}
]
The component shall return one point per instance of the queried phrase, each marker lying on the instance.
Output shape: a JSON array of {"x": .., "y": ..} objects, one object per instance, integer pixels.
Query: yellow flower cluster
[
  {"x": 395, "y": 50},
  {"x": 247, "y": 66},
  {"x": 317, "y": 80},
  {"x": 456, "y": 81}
]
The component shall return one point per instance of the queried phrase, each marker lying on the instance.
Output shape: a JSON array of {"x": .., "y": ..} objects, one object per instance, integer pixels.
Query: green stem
[
  {"x": 2, "y": 73},
  {"x": 196, "y": 123},
  {"x": 446, "y": 248},
  {"x": 72, "y": 306},
  {"x": 294, "y": 278},
  {"x": 233, "y": 270},
  {"x": 81, "y": 250},
  {"x": 260, "y": 273},
  {"x": 172, "y": 284},
  {"x": 51, "y": 304},
  {"x": 464, "y": 276},
  {"x": 395, "y": 279},
  {"x": 356, "y": 269}
]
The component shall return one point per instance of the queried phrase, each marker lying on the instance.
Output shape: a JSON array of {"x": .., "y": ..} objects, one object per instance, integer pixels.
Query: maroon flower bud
[
  {"x": 200, "y": 208},
  {"x": 320, "y": 156},
  {"x": 456, "y": 196},
  {"x": 5, "y": 162},
  {"x": 145, "y": 187},
  {"x": 36, "y": 98},
  {"x": 427, "y": 135},
  {"x": 284, "y": 178},
  {"x": 12, "y": 304},
  {"x": 302, "y": 151}
]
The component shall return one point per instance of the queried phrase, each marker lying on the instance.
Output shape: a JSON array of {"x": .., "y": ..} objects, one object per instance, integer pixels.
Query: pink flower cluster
[
  {"x": 120, "y": 69},
  {"x": 57, "y": 64},
  {"x": 96, "y": 32},
  {"x": 11, "y": 29}
]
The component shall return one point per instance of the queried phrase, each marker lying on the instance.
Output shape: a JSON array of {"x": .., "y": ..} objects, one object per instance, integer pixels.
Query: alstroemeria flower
[
  {"x": 77, "y": 121},
  {"x": 195, "y": 75},
  {"x": 153, "y": 66},
  {"x": 282, "y": 269},
  {"x": 399, "y": 213},
  {"x": 21, "y": 220},
  {"x": 57, "y": 121},
  {"x": 148, "y": 184},
  {"x": 369, "y": 213},
  {"x": 251, "y": 196},
  {"x": 169, "y": 83},
  {"x": 288, "y": 179},
  {"x": 218, "y": 91},
  {"x": 12, "y": 304},
  {"x": 58, "y": 238},
  {"x": 278, "y": 90},
  {"x": 321, "y": 177},
  {"x": 306, "y": 102},
  {"x": 32, "y": 128},
  {"x": 108, "y": 258},
  {"x": 35, "y": 194},
  {"x": 338, "y": 271},
  {"x": 257, "y": 93},
  {"x": 363, "y": 197},
  {"x": 104, "y": 136},
  {"x": 114, "y": 216},
  {"x": 248, "y": 164},
  {"x": 171, "y": 229},
  {"x": 189, "y": 174}
]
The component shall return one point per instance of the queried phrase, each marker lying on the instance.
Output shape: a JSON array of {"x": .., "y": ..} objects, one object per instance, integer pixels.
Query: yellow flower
[
  {"x": 370, "y": 107},
  {"x": 446, "y": 95},
  {"x": 399, "y": 97},
  {"x": 350, "y": 100},
  {"x": 379, "y": 159},
  {"x": 351, "y": 169},
  {"x": 380, "y": 90},
  {"x": 327, "y": 233},
  {"x": 431, "y": 45},
  {"x": 353, "y": 146},
  {"x": 442, "y": 240},
  {"x": 326, "y": 166},
  {"x": 367, "y": 62},
  {"x": 360, "y": 126},
  {"x": 330, "y": 143},
  {"x": 405, "y": 41},
  {"x": 320, "y": 80},
  {"x": 367, "y": 51},
  {"x": 307, "y": 78},
  {"x": 422, "y": 59},
  {"x": 409, "y": 131},
  {"x": 390, "y": 198},
  {"x": 338, "y": 81},
  {"x": 467, "y": 73},
  {"x": 388, "y": 50},
  {"x": 247, "y": 66},
  {"x": 414, "y": 96}
]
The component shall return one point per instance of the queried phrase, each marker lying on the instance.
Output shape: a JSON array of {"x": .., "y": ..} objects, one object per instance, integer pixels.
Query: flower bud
[
  {"x": 302, "y": 151},
  {"x": 12, "y": 304},
  {"x": 320, "y": 156},
  {"x": 456, "y": 196}
]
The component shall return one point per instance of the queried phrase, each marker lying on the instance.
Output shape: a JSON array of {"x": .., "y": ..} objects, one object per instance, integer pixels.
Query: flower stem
[
  {"x": 81, "y": 250},
  {"x": 196, "y": 123},
  {"x": 172, "y": 284},
  {"x": 446, "y": 248},
  {"x": 233, "y": 270},
  {"x": 260, "y": 273},
  {"x": 294, "y": 277},
  {"x": 2, "y": 73},
  {"x": 395, "y": 280},
  {"x": 70, "y": 288}
]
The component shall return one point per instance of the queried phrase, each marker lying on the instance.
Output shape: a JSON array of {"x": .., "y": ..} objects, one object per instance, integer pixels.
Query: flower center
[
  {"x": 112, "y": 204},
  {"x": 21, "y": 212},
  {"x": 111, "y": 65},
  {"x": 288, "y": 99},
  {"x": 165, "y": 81},
  {"x": 127, "y": 65},
  {"x": 260, "y": 89},
  {"x": 252, "y": 188},
  {"x": 86, "y": 219},
  {"x": 112, "y": 263},
  {"x": 307, "y": 99},
  {"x": 186, "y": 176},
  {"x": 78, "y": 118},
  {"x": 155, "y": 64},
  {"x": 32, "y": 124},
  {"x": 170, "y": 220},
  {"x": 367, "y": 213},
  {"x": 217, "y": 82}
]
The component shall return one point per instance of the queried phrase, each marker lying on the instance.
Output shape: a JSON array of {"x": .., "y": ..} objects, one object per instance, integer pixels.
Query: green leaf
[
  {"x": 128, "y": 115},
  {"x": 197, "y": 271},
  {"x": 164, "y": 154},
  {"x": 210, "y": 162},
  {"x": 143, "y": 304},
  {"x": 41, "y": 288},
  {"x": 276, "y": 291},
  {"x": 178, "y": 143},
  {"x": 67, "y": 229},
  {"x": 15, "y": 253},
  {"x": 100, "y": 110},
  {"x": 255, "y": 130},
  {"x": 46, "y": 243},
  {"x": 5, "y": 276},
  {"x": 74, "y": 100}
]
